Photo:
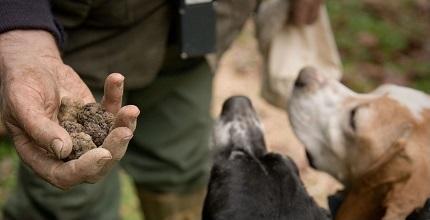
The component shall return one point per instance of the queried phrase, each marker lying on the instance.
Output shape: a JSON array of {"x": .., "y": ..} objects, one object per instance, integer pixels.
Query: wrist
[{"x": 20, "y": 48}]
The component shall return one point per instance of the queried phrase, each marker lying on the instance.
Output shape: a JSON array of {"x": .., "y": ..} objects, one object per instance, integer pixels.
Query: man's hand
[
  {"x": 304, "y": 11},
  {"x": 33, "y": 82}
]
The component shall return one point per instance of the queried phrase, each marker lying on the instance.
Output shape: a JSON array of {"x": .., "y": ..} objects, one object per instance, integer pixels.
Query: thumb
[
  {"x": 30, "y": 115},
  {"x": 46, "y": 133},
  {"x": 28, "y": 122}
]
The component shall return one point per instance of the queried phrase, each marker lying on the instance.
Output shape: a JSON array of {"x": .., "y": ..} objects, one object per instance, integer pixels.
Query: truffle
[{"x": 88, "y": 125}]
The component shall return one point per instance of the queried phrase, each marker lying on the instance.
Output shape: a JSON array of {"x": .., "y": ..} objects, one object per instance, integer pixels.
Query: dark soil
[{"x": 88, "y": 125}]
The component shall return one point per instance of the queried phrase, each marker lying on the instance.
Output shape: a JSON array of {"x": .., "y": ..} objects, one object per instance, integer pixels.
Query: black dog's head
[
  {"x": 247, "y": 182},
  {"x": 238, "y": 129}
]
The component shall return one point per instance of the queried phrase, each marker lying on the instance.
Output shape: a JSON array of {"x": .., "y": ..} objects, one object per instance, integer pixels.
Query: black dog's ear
[{"x": 289, "y": 163}]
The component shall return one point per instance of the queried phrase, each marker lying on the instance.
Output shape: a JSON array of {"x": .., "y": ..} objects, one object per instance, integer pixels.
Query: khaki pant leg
[
  {"x": 35, "y": 199},
  {"x": 168, "y": 156}
]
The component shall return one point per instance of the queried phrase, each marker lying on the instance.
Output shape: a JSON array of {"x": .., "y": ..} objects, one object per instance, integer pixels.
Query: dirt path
[{"x": 239, "y": 74}]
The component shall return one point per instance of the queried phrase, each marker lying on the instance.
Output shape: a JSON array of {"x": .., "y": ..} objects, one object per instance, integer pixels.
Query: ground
[{"x": 379, "y": 41}]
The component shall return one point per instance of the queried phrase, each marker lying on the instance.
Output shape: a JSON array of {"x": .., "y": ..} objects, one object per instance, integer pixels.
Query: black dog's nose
[
  {"x": 306, "y": 76},
  {"x": 236, "y": 104}
]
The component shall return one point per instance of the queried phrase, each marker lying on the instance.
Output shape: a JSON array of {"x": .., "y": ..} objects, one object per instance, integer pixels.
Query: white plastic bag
[{"x": 293, "y": 48}]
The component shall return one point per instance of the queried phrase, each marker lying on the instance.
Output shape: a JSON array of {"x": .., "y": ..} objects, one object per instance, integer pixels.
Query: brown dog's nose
[{"x": 306, "y": 77}]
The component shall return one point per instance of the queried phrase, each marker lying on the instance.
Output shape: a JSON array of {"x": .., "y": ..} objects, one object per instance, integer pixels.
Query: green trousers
[{"x": 169, "y": 153}]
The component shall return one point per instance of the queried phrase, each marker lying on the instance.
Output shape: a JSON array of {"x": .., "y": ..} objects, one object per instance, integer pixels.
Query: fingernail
[
  {"x": 127, "y": 138},
  {"x": 57, "y": 147},
  {"x": 137, "y": 113},
  {"x": 103, "y": 160},
  {"x": 120, "y": 82}
]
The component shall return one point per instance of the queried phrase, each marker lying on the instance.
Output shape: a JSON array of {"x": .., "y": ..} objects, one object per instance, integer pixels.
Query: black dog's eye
[{"x": 352, "y": 115}]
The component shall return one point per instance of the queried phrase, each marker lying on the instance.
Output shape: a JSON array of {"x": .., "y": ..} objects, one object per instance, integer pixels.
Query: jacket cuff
[{"x": 29, "y": 14}]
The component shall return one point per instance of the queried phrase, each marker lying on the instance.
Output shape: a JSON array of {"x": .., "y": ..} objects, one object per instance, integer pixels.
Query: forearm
[{"x": 20, "y": 48}]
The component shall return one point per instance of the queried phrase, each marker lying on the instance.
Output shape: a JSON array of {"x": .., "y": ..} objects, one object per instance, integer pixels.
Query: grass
[{"x": 129, "y": 201}]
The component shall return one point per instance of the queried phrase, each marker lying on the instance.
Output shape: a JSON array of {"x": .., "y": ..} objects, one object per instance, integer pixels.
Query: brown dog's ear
[
  {"x": 366, "y": 198},
  {"x": 394, "y": 166},
  {"x": 406, "y": 196},
  {"x": 402, "y": 199}
]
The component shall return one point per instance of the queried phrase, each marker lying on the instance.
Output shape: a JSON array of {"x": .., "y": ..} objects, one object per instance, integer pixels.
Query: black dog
[{"x": 247, "y": 182}]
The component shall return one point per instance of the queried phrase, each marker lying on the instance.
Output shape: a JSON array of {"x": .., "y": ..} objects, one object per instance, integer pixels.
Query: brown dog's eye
[{"x": 352, "y": 115}]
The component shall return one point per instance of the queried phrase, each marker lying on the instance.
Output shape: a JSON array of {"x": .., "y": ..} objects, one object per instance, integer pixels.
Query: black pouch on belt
[{"x": 197, "y": 27}]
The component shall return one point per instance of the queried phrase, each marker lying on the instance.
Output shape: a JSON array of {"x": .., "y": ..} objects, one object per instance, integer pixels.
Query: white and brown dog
[{"x": 376, "y": 144}]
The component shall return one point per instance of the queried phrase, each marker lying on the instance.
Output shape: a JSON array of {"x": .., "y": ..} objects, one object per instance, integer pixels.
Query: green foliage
[
  {"x": 391, "y": 35},
  {"x": 130, "y": 209},
  {"x": 6, "y": 149},
  {"x": 8, "y": 164}
]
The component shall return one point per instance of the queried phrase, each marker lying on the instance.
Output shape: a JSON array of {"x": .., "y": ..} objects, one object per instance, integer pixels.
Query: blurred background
[
  {"x": 383, "y": 41},
  {"x": 379, "y": 42}
]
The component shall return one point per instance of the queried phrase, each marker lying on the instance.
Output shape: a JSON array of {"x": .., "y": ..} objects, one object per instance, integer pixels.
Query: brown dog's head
[{"x": 366, "y": 140}]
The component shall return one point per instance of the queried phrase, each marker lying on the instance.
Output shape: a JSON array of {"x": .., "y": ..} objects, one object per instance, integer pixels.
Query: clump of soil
[{"x": 88, "y": 125}]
